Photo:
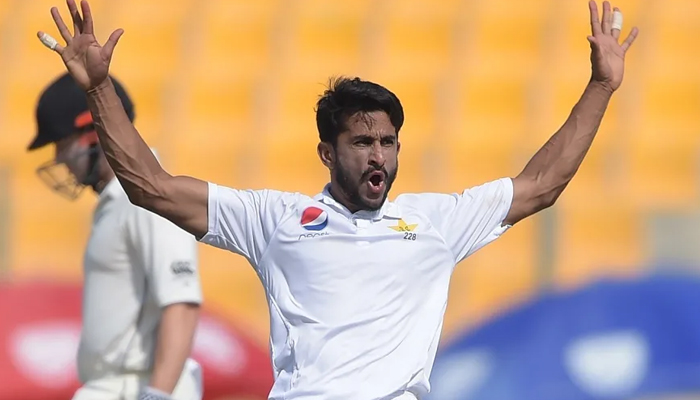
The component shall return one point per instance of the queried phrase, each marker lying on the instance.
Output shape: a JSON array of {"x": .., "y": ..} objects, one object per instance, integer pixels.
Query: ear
[
  {"x": 398, "y": 147},
  {"x": 326, "y": 153}
]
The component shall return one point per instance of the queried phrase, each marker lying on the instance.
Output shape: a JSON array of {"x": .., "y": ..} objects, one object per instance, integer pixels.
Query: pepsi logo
[{"x": 314, "y": 219}]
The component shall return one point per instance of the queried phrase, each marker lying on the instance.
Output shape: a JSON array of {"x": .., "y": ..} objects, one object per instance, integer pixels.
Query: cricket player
[
  {"x": 141, "y": 291},
  {"x": 356, "y": 284}
]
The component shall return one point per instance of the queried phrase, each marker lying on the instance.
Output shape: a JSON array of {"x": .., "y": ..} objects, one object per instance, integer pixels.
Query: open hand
[
  {"x": 85, "y": 59},
  {"x": 607, "y": 54}
]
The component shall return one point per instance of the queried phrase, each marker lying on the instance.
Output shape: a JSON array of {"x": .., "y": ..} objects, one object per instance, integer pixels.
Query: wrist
[
  {"x": 602, "y": 87},
  {"x": 99, "y": 87}
]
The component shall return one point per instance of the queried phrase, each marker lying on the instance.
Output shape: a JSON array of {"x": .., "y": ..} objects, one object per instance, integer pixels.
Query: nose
[{"x": 376, "y": 156}]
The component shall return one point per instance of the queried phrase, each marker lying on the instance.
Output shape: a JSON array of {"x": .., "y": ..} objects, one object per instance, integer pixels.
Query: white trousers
[{"x": 128, "y": 387}]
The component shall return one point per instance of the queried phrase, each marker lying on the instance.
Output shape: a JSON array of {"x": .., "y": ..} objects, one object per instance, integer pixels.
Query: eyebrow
[{"x": 373, "y": 137}]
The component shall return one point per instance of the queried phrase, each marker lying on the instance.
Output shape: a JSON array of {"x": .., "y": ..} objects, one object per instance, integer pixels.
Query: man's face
[
  {"x": 366, "y": 161},
  {"x": 73, "y": 151}
]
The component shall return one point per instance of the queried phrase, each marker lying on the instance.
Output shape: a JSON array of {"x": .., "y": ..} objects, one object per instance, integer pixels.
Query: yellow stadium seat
[
  {"x": 236, "y": 37},
  {"x": 28, "y": 17},
  {"x": 572, "y": 20},
  {"x": 325, "y": 38},
  {"x": 601, "y": 237},
  {"x": 420, "y": 98},
  {"x": 218, "y": 150},
  {"x": 663, "y": 176},
  {"x": 663, "y": 149},
  {"x": 5, "y": 7},
  {"x": 501, "y": 36},
  {"x": 17, "y": 110},
  {"x": 292, "y": 167},
  {"x": 28, "y": 66},
  {"x": 151, "y": 102},
  {"x": 669, "y": 49},
  {"x": 567, "y": 87},
  {"x": 216, "y": 98},
  {"x": 675, "y": 29},
  {"x": 467, "y": 166},
  {"x": 49, "y": 222},
  {"x": 226, "y": 90},
  {"x": 495, "y": 97},
  {"x": 489, "y": 123},
  {"x": 152, "y": 45},
  {"x": 416, "y": 38},
  {"x": 293, "y": 101},
  {"x": 601, "y": 173},
  {"x": 663, "y": 153},
  {"x": 666, "y": 99},
  {"x": 498, "y": 276},
  {"x": 288, "y": 144}
]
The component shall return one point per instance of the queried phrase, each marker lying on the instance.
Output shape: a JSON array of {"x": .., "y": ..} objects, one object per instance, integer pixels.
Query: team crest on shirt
[
  {"x": 314, "y": 219},
  {"x": 402, "y": 226}
]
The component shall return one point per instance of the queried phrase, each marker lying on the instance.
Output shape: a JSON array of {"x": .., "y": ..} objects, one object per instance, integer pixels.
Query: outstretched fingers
[
  {"x": 630, "y": 39},
  {"x": 62, "y": 28},
  {"x": 111, "y": 43},
  {"x": 75, "y": 15},
  {"x": 607, "y": 18},
  {"x": 48, "y": 41},
  {"x": 87, "y": 17},
  {"x": 596, "y": 28}
]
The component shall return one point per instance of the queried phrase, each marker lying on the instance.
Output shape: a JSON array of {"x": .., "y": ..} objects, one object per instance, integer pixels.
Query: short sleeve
[
  {"x": 243, "y": 221},
  {"x": 169, "y": 258},
  {"x": 467, "y": 221}
]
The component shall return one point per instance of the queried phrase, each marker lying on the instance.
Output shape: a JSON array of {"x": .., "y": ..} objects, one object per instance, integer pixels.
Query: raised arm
[
  {"x": 551, "y": 169},
  {"x": 182, "y": 200}
]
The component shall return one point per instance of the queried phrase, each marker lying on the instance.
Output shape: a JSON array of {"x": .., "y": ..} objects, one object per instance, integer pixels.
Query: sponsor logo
[
  {"x": 180, "y": 268},
  {"x": 314, "y": 219},
  {"x": 312, "y": 235}
]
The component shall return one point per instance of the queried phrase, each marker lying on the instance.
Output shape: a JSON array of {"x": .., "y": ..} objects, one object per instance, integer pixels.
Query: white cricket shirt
[
  {"x": 135, "y": 263},
  {"x": 356, "y": 300}
]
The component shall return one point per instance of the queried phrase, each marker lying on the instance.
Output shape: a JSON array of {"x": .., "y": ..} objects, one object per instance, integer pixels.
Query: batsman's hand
[
  {"x": 607, "y": 53},
  {"x": 153, "y": 394},
  {"x": 86, "y": 60}
]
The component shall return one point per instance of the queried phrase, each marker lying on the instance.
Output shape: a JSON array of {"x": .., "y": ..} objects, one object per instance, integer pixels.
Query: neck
[
  {"x": 339, "y": 196},
  {"x": 105, "y": 178}
]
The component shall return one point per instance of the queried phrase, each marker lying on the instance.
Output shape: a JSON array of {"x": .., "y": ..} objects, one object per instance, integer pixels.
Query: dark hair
[{"x": 348, "y": 96}]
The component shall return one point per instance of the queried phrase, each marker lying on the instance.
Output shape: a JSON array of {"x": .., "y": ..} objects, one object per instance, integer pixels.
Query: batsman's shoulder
[{"x": 418, "y": 200}]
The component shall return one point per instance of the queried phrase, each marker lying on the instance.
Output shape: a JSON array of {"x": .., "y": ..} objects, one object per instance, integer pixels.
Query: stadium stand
[{"x": 225, "y": 89}]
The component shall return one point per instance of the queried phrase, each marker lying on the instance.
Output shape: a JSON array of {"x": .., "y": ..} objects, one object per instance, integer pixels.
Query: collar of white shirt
[
  {"x": 111, "y": 190},
  {"x": 388, "y": 209}
]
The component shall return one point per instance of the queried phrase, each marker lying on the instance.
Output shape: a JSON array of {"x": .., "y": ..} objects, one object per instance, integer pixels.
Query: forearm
[
  {"x": 556, "y": 163},
  {"x": 174, "y": 344},
  {"x": 132, "y": 160}
]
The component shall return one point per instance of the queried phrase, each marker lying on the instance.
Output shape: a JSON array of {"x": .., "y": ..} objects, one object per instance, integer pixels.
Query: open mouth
[{"x": 375, "y": 182}]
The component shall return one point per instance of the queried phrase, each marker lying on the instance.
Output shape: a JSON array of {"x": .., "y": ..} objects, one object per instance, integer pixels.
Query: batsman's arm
[
  {"x": 180, "y": 199},
  {"x": 175, "y": 335}
]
